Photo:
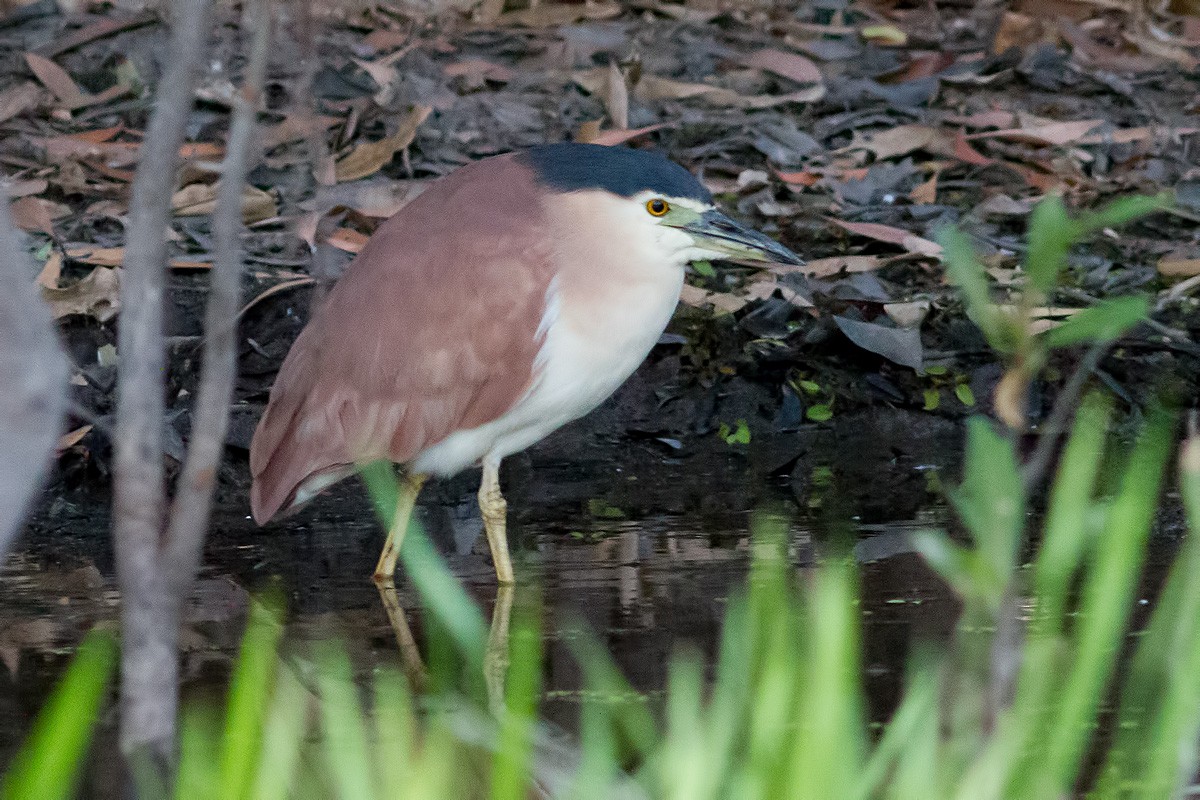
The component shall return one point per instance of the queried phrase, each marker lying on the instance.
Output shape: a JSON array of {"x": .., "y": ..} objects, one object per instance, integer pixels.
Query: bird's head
[{"x": 647, "y": 193}]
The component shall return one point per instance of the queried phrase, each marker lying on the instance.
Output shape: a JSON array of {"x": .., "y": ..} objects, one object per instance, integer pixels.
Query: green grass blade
[
  {"x": 1160, "y": 704},
  {"x": 284, "y": 730},
  {"x": 249, "y": 696},
  {"x": 1107, "y": 598},
  {"x": 199, "y": 773},
  {"x": 511, "y": 768},
  {"x": 347, "y": 756},
  {"x": 48, "y": 764},
  {"x": 395, "y": 730}
]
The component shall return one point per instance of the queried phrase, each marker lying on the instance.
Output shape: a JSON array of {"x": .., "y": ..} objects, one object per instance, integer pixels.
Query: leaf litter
[{"x": 852, "y": 140}]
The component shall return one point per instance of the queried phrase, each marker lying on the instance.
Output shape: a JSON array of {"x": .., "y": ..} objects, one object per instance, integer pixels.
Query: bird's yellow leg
[
  {"x": 409, "y": 489},
  {"x": 495, "y": 519},
  {"x": 495, "y": 658}
]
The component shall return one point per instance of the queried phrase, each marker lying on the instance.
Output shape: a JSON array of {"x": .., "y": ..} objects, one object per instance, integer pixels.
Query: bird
[{"x": 512, "y": 296}]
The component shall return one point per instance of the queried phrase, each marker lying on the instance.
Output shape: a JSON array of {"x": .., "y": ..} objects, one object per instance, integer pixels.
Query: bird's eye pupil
[{"x": 657, "y": 207}]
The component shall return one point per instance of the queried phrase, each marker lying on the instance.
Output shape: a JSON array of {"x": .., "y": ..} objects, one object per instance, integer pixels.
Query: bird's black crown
[{"x": 568, "y": 167}]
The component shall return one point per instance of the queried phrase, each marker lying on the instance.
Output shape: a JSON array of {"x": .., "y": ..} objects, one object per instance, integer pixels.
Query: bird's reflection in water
[{"x": 495, "y": 658}]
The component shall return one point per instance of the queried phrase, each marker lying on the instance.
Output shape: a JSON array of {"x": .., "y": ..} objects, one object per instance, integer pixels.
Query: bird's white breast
[{"x": 608, "y": 305}]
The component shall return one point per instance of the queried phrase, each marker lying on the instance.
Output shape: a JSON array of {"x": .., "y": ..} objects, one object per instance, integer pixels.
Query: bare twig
[
  {"x": 1056, "y": 424},
  {"x": 33, "y": 383},
  {"x": 149, "y": 615},
  {"x": 193, "y": 495}
]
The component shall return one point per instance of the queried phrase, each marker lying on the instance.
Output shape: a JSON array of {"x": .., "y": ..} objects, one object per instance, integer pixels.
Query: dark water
[
  {"x": 646, "y": 574},
  {"x": 645, "y": 585}
]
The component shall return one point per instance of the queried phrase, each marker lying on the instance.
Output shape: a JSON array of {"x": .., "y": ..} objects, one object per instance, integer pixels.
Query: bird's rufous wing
[{"x": 433, "y": 328}]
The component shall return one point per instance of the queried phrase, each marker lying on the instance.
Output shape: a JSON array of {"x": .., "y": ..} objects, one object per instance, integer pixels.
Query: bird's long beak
[{"x": 718, "y": 232}]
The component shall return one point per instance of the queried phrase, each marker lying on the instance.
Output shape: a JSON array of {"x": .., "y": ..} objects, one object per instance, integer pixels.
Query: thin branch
[
  {"x": 193, "y": 494},
  {"x": 33, "y": 383},
  {"x": 1056, "y": 424},
  {"x": 148, "y": 653}
]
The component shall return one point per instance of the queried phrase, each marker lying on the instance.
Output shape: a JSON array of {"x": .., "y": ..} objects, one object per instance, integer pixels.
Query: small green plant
[{"x": 1013, "y": 330}]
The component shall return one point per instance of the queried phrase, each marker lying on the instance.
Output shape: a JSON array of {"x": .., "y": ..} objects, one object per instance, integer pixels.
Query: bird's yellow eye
[{"x": 657, "y": 207}]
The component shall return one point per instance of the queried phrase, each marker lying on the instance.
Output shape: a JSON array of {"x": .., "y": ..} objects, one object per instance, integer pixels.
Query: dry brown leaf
[
  {"x": 36, "y": 214},
  {"x": 478, "y": 70},
  {"x": 98, "y": 256},
  {"x": 897, "y": 236},
  {"x": 18, "y": 189},
  {"x": 96, "y": 295},
  {"x": 1009, "y": 398},
  {"x": 762, "y": 289},
  {"x": 199, "y": 199},
  {"x": 1053, "y": 134},
  {"x": 798, "y": 68},
  {"x": 925, "y": 192},
  {"x": 55, "y": 78},
  {"x": 278, "y": 288},
  {"x": 985, "y": 119},
  {"x": 61, "y": 148},
  {"x": 51, "y": 271},
  {"x": 653, "y": 87},
  {"x": 369, "y": 158},
  {"x": 886, "y": 35},
  {"x": 1172, "y": 267},
  {"x": 552, "y": 15},
  {"x": 699, "y": 298},
  {"x": 19, "y": 98},
  {"x": 293, "y": 129},
  {"x": 348, "y": 240},
  {"x": 377, "y": 197},
  {"x": 590, "y": 134},
  {"x": 1128, "y": 135},
  {"x": 899, "y": 141},
  {"x": 616, "y": 96},
  {"x": 72, "y": 438},
  {"x": 835, "y": 265}
]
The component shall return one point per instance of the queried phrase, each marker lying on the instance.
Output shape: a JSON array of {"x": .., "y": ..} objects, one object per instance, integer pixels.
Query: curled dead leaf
[
  {"x": 370, "y": 157},
  {"x": 199, "y": 199},
  {"x": 699, "y": 298},
  {"x": 892, "y": 235},
  {"x": 792, "y": 66},
  {"x": 36, "y": 214},
  {"x": 96, "y": 296},
  {"x": 19, "y": 98},
  {"x": 1173, "y": 267},
  {"x": 72, "y": 438},
  {"x": 1009, "y": 398},
  {"x": 550, "y": 15}
]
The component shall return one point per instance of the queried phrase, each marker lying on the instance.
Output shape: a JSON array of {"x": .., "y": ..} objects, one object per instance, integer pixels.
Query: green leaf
[
  {"x": 48, "y": 765},
  {"x": 936, "y": 369},
  {"x": 704, "y": 268},
  {"x": 1051, "y": 234},
  {"x": 965, "y": 270},
  {"x": 1124, "y": 210},
  {"x": 819, "y": 413},
  {"x": 1103, "y": 322},
  {"x": 810, "y": 387},
  {"x": 933, "y": 399},
  {"x": 964, "y": 394},
  {"x": 738, "y": 435},
  {"x": 600, "y": 509},
  {"x": 991, "y": 503}
]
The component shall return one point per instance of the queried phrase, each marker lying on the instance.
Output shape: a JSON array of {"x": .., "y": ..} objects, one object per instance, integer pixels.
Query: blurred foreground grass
[{"x": 991, "y": 714}]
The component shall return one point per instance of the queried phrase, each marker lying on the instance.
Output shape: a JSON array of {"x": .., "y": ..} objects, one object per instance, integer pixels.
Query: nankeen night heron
[{"x": 511, "y": 297}]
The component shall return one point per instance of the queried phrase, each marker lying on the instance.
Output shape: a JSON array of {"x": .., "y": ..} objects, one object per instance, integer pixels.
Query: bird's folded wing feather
[{"x": 432, "y": 329}]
